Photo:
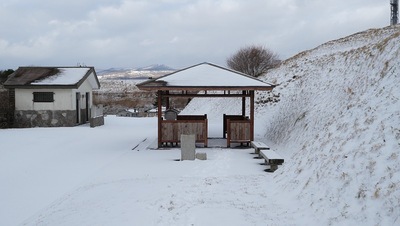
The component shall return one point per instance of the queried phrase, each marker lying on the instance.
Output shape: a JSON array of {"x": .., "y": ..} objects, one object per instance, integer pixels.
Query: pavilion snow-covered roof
[
  {"x": 55, "y": 77},
  {"x": 205, "y": 76}
]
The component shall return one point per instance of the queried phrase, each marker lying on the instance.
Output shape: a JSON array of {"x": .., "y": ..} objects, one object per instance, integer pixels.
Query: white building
[{"x": 52, "y": 96}]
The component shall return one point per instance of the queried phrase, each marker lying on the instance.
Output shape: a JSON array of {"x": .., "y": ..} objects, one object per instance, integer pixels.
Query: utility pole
[{"x": 394, "y": 17}]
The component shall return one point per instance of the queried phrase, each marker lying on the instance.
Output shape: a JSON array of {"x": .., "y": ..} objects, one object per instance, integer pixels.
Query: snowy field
[{"x": 91, "y": 176}]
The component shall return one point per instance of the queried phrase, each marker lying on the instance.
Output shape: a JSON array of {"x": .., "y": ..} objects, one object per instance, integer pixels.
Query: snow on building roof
[
  {"x": 50, "y": 76},
  {"x": 205, "y": 76},
  {"x": 66, "y": 76}
]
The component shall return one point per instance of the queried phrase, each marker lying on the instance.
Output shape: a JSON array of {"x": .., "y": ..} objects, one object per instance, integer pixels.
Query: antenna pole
[{"x": 394, "y": 6}]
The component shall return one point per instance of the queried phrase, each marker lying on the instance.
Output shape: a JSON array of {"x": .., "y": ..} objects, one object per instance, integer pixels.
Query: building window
[{"x": 43, "y": 97}]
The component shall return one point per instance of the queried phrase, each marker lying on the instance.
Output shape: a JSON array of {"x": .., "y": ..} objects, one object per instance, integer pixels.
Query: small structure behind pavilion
[{"x": 205, "y": 80}]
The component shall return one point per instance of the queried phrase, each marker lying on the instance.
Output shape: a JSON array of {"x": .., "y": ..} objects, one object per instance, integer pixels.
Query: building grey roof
[
  {"x": 205, "y": 76},
  {"x": 51, "y": 77}
]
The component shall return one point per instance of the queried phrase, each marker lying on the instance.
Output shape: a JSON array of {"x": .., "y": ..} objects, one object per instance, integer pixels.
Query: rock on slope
[{"x": 338, "y": 125}]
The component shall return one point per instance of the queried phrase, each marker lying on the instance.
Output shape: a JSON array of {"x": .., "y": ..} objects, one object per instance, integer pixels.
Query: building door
[
  {"x": 78, "y": 109},
  {"x": 87, "y": 106}
]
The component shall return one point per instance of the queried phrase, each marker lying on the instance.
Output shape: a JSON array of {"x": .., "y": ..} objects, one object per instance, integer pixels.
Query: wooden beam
[
  {"x": 252, "y": 115},
  {"x": 167, "y": 100},
  {"x": 228, "y": 134},
  {"x": 203, "y": 88},
  {"x": 244, "y": 103},
  {"x": 205, "y": 95},
  {"x": 159, "y": 109}
]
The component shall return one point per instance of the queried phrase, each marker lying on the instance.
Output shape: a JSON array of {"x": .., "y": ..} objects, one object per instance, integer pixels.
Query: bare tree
[{"x": 253, "y": 60}]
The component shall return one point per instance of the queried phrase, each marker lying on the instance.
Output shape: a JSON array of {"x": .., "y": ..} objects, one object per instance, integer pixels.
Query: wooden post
[
  {"x": 167, "y": 100},
  {"x": 159, "y": 111},
  {"x": 244, "y": 103},
  {"x": 228, "y": 128},
  {"x": 206, "y": 132},
  {"x": 252, "y": 115}
]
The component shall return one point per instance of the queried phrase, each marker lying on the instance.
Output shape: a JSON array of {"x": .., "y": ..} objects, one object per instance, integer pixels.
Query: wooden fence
[
  {"x": 238, "y": 131},
  {"x": 231, "y": 117},
  {"x": 171, "y": 130}
]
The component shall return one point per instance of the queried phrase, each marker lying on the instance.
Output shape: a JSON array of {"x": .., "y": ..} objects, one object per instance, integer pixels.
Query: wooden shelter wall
[
  {"x": 230, "y": 117},
  {"x": 191, "y": 117},
  {"x": 171, "y": 130},
  {"x": 238, "y": 131}
]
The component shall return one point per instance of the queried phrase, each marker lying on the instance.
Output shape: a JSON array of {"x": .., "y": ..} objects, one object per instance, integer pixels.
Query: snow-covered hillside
[
  {"x": 339, "y": 122},
  {"x": 338, "y": 125}
]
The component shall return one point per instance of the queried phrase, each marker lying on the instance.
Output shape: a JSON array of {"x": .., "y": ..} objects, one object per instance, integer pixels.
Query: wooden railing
[
  {"x": 171, "y": 130},
  {"x": 238, "y": 131},
  {"x": 191, "y": 117}
]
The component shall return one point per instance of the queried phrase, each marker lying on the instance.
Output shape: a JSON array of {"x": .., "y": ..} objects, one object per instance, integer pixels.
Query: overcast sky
[{"x": 178, "y": 33}]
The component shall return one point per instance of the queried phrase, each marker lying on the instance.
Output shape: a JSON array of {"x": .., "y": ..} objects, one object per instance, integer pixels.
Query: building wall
[
  {"x": 24, "y": 100},
  {"x": 64, "y": 99},
  {"x": 61, "y": 112},
  {"x": 86, "y": 87},
  {"x": 44, "y": 118}
]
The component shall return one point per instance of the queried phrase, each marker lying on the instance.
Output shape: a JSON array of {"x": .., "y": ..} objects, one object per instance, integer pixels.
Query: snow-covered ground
[
  {"x": 40, "y": 166},
  {"x": 91, "y": 176},
  {"x": 337, "y": 124}
]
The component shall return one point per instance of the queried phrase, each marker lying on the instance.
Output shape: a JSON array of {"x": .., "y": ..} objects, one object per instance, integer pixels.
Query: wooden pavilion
[{"x": 205, "y": 80}]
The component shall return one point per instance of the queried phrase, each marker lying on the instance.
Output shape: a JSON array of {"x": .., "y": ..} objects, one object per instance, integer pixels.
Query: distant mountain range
[
  {"x": 153, "y": 67},
  {"x": 152, "y": 71},
  {"x": 156, "y": 67}
]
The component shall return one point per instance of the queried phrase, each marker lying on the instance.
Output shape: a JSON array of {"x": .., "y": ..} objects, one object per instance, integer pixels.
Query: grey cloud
[{"x": 173, "y": 32}]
